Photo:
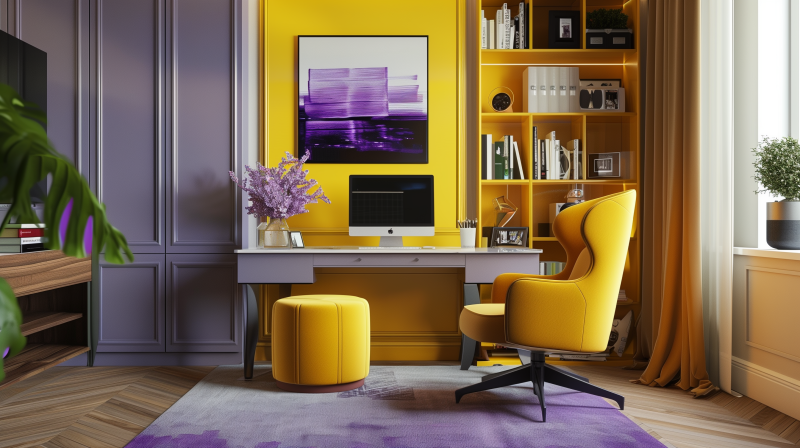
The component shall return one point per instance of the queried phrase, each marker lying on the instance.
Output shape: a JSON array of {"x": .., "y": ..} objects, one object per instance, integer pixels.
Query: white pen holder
[{"x": 467, "y": 237}]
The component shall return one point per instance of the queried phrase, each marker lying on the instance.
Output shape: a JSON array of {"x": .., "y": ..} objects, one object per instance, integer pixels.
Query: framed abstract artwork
[{"x": 363, "y": 99}]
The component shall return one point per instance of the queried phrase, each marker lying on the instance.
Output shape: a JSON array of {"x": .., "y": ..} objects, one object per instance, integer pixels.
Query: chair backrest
[{"x": 606, "y": 229}]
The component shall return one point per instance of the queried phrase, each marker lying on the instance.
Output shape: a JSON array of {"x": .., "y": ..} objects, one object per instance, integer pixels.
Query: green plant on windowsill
[
  {"x": 26, "y": 157},
  {"x": 603, "y": 19},
  {"x": 777, "y": 170}
]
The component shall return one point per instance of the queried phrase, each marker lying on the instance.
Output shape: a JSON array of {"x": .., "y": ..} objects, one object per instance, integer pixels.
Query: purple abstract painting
[{"x": 363, "y": 99}]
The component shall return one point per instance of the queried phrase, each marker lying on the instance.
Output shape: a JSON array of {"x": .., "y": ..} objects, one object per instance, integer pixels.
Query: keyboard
[{"x": 390, "y": 247}]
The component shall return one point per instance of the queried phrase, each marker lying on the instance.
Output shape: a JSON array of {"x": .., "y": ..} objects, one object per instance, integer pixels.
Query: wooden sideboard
[{"x": 53, "y": 292}]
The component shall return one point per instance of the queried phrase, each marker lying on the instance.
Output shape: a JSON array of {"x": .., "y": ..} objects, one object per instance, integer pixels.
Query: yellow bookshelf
[{"x": 598, "y": 132}]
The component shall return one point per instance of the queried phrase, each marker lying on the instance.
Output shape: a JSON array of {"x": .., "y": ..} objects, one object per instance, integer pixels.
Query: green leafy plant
[
  {"x": 26, "y": 157},
  {"x": 778, "y": 167},
  {"x": 601, "y": 19}
]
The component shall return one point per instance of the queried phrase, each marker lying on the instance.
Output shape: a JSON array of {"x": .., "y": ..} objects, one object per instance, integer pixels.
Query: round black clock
[
  {"x": 501, "y": 102},
  {"x": 501, "y": 99}
]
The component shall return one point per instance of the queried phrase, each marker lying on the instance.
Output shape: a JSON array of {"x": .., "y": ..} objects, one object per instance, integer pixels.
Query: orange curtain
[{"x": 672, "y": 270}]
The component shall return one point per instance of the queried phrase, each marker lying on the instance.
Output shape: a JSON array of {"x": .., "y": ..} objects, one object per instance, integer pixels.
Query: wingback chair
[{"x": 570, "y": 312}]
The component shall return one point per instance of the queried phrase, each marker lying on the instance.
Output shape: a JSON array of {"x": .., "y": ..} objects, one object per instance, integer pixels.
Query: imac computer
[{"x": 391, "y": 207}]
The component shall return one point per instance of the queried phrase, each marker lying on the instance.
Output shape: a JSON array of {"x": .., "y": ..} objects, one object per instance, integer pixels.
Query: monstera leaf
[{"x": 75, "y": 221}]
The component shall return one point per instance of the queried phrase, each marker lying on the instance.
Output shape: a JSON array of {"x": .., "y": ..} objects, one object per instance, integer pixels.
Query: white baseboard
[{"x": 774, "y": 389}]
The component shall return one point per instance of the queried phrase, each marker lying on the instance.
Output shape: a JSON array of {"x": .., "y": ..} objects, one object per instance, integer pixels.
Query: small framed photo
[
  {"x": 509, "y": 236},
  {"x": 297, "y": 240},
  {"x": 564, "y": 29}
]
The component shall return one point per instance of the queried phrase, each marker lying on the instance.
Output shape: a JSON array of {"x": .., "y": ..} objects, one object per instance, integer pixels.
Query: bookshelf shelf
[
  {"x": 546, "y": 56},
  {"x": 598, "y": 132}
]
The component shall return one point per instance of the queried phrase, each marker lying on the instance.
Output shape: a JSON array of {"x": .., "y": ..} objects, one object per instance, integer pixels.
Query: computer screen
[{"x": 391, "y": 205}]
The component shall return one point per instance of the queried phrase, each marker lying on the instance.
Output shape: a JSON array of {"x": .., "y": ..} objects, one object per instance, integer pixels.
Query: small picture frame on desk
[
  {"x": 509, "y": 236},
  {"x": 563, "y": 29},
  {"x": 297, "y": 240}
]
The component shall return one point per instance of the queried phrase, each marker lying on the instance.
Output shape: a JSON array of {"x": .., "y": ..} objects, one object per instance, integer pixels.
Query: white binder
[
  {"x": 563, "y": 89},
  {"x": 530, "y": 87}
]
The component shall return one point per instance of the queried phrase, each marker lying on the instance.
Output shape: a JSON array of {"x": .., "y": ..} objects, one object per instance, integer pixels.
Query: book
[
  {"x": 506, "y": 145},
  {"x": 489, "y": 152},
  {"x": 552, "y": 89},
  {"x": 542, "y": 159},
  {"x": 530, "y": 100},
  {"x": 499, "y": 164},
  {"x": 24, "y": 226},
  {"x": 516, "y": 33},
  {"x": 484, "y": 158},
  {"x": 563, "y": 89},
  {"x": 552, "y": 170},
  {"x": 575, "y": 147},
  {"x": 492, "y": 35},
  {"x": 484, "y": 36},
  {"x": 507, "y": 27},
  {"x": 527, "y": 27},
  {"x": 499, "y": 29},
  {"x": 520, "y": 171},
  {"x": 523, "y": 27},
  {"x": 21, "y": 233},
  {"x": 21, "y": 248},
  {"x": 535, "y": 155},
  {"x": 509, "y": 155},
  {"x": 20, "y": 241},
  {"x": 542, "y": 78},
  {"x": 574, "y": 90}
]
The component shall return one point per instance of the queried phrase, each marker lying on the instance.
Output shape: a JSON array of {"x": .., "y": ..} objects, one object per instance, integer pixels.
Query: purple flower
[{"x": 282, "y": 191}]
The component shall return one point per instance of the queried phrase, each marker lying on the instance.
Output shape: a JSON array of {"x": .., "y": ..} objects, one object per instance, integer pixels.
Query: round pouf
[{"x": 320, "y": 343}]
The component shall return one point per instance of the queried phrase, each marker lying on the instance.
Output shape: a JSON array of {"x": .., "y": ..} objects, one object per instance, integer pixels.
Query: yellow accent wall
[
  {"x": 414, "y": 312},
  {"x": 327, "y": 224}
]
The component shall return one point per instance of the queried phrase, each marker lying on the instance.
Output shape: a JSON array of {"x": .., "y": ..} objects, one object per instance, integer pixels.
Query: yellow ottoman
[{"x": 320, "y": 343}]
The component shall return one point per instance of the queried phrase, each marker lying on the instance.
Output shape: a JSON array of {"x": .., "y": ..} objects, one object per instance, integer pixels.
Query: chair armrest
[
  {"x": 503, "y": 281},
  {"x": 545, "y": 313}
]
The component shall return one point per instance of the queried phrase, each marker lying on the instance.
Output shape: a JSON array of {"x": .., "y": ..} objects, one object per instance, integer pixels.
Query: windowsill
[{"x": 767, "y": 253}]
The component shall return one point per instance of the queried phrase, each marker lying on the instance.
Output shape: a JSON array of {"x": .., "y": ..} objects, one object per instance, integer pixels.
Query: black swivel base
[{"x": 539, "y": 373}]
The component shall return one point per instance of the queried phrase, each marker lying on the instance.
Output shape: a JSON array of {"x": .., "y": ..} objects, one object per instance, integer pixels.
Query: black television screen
[{"x": 24, "y": 67}]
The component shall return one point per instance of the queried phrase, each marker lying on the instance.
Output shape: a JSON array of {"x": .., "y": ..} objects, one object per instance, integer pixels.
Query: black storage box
[{"x": 609, "y": 38}]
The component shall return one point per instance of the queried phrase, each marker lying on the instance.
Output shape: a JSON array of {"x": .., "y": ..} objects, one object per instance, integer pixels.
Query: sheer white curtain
[{"x": 717, "y": 196}]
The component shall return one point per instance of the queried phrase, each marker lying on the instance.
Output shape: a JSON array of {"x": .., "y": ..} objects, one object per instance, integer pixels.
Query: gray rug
[{"x": 398, "y": 406}]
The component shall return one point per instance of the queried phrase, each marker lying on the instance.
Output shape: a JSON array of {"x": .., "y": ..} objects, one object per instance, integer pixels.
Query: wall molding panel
[
  {"x": 770, "y": 312},
  {"x": 767, "y": 386}
]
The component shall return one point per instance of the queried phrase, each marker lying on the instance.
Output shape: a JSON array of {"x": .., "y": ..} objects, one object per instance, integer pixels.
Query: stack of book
[
  {"x": 552, "y": 160},
  {"x": 505, "y": 32},
  {"x": 622, "y": 297},
  {"x": 21, "y": 238},
  {"x": 500, "y": 160},
  {"x": 550, "y": 267},
  {"x": 551, "y": 90}
]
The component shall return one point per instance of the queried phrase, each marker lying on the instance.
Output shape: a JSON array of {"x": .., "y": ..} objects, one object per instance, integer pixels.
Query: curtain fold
[{"x": 672, "y": 239}]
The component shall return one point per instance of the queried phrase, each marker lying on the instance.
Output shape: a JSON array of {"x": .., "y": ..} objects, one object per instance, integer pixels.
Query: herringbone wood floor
[
  {"x": 109, "y": 406},
  {"x": 90, "y": 407}
]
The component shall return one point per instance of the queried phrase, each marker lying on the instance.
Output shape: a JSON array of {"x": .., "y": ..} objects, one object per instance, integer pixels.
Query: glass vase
[{"x": 274, "y": 234}]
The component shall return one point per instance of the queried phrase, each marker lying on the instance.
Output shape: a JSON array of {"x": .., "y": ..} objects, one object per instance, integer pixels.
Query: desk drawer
[{"x": 388, "y": 260}]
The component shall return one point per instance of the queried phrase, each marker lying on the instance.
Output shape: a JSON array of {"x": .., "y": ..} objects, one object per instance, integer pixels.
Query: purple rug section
[{"x": 398, "y": 406}]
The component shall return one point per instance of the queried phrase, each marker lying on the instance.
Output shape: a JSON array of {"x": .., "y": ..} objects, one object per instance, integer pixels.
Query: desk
[{"x": 285, "y": 267}]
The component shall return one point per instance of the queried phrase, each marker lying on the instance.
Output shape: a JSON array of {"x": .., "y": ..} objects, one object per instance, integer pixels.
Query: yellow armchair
[{"x": 564, "y": 313}]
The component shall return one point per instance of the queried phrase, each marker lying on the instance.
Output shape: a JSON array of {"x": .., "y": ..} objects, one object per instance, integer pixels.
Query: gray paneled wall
[{"x": 143, "y": 97}]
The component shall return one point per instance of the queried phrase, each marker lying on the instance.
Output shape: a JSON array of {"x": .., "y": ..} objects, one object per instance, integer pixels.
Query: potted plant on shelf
[
  {"x": 608, "y": 28},
  {"x": 778, "y": 172},
  {"x": 75, "y": 221},
  {"x": 276, "y": 194}
]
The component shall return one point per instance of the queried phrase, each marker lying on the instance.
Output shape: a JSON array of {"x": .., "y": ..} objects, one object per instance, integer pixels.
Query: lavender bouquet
[{"x": 278, "y": 193}]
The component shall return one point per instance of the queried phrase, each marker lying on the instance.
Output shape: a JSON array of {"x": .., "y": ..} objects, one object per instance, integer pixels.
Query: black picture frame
[
  {"x": 330, "y": 142},
  {"x": 502, "y": 236},
  {"x": 556, "y": 35},
  {"x": 297, "y": 240}
]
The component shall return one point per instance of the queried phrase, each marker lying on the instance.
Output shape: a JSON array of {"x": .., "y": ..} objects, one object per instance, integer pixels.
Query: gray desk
[{"x": 286, "y": 267}]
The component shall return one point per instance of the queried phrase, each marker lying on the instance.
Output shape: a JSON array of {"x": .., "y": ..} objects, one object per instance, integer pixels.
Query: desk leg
[
  {"x": 472, "y": 296},
  {"x": 251, "y": 331}
]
